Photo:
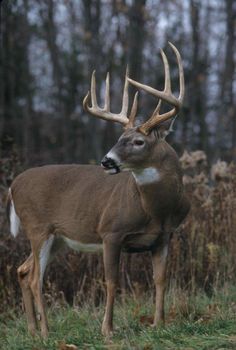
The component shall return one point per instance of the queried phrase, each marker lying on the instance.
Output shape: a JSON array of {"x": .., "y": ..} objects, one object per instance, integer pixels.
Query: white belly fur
[{"x": 82, "y": 247}]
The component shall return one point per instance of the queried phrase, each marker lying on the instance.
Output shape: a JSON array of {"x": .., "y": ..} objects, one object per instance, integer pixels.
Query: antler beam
[{"x": 166, "y": 95}]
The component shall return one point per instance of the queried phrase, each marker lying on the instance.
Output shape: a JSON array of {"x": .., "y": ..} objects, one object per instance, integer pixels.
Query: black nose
[{"x": 108, "y": 162}]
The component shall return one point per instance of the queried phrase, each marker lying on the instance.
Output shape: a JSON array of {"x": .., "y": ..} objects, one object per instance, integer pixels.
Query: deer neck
[
  {"x": 159, "y": 192},
  {"x": 159, "y": 185},
  {"x": 152, "y": 174}
]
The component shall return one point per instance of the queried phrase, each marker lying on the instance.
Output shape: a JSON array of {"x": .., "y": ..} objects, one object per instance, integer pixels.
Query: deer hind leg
[
  {"x": 159, "y": 261},
  {"x": 23, "y": 273},
  {"x": 111, "y": 257},
  {"x": 40, "y": 258}
]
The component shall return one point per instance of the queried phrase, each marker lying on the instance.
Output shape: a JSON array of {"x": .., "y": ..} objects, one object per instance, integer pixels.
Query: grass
[{"x": 196, "y": 322}]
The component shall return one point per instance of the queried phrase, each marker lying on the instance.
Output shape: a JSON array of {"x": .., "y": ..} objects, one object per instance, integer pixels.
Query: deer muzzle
[{"x": 110, "y": 165}]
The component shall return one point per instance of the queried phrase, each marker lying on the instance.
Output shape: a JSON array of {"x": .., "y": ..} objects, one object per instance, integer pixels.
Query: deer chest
[{"x": 142, "y": 242}]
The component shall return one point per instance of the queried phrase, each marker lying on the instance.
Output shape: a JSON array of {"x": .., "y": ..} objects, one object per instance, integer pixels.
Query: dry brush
[{"x": 202, "y": 252}]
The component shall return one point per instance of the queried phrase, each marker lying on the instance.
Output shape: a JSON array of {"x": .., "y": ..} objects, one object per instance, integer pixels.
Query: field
[{"x": 193, "y": 322}]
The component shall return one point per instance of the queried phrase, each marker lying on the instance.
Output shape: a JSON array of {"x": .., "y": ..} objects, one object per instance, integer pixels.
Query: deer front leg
[
  {"x": 159, "y": 261},
  {"x": 111, "y": 257}
]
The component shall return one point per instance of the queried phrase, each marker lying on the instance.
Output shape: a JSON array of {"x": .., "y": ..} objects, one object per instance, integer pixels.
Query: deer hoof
[
  {"x": 32, "y": 331},
  {"x": 44, "y": 333},
  {"x": 107, "y": 331},
  {"x": 158, "y": 324}
]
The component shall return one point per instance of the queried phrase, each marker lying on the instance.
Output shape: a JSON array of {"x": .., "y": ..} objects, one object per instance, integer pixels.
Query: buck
[{"x": 82, "y": 206}]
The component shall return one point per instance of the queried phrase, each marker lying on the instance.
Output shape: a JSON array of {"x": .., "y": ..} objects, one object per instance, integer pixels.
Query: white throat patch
[{"x": 146, "y": 176}]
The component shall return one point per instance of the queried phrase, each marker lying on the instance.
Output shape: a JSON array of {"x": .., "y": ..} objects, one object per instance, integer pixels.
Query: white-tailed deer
[{"x": 85, "y": 208}]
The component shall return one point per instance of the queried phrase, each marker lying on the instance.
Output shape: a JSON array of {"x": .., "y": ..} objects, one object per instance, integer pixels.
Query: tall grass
[
  {"x": 196, "y": 323},
  {"x": 202, "y": 254}
]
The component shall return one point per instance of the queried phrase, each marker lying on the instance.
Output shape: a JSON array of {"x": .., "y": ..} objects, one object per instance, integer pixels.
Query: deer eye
[{"x": 138, "y": 142}]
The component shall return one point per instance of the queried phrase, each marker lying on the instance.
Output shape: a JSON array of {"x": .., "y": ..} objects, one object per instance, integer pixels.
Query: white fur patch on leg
[
  {"x": 44, "y": 256},
  {"x": 14, "y": 219}
]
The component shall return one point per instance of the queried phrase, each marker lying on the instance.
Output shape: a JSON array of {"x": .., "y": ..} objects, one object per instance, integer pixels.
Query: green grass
[{"x": 192, "y": 323}]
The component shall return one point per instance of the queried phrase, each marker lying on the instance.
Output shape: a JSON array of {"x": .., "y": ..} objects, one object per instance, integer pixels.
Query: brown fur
[{"x": 85, "y": 204}]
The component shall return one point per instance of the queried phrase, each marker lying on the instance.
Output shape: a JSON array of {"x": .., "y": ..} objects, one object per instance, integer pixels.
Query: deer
[{"x": 84, "y": 207}]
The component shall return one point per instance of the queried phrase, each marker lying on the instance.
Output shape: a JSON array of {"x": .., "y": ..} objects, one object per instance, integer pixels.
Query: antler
[
  {"x": 104, "y": 113},
  {"x": 166, "y": 95}
]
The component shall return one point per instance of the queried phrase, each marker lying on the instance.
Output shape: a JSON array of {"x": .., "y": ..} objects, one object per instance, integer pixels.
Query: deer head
[{"x": 135, "y": 146}]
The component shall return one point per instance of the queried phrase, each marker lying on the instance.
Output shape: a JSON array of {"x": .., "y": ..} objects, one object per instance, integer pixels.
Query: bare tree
[
  {"x": 228, "y": 92},
  {"x": 198, "y": 78}
]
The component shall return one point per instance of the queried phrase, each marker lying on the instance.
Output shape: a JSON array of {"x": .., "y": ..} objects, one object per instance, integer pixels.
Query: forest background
[
  {"x": 50, "y": 48},
  {"x": 48, "y": 51}
]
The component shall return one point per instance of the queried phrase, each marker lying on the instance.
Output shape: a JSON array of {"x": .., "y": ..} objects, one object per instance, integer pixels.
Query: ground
[{"x": 193, "y": 322}]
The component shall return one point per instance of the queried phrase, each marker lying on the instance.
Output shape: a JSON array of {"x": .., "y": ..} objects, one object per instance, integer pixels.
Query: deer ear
[{"x": 165, "y": 128}]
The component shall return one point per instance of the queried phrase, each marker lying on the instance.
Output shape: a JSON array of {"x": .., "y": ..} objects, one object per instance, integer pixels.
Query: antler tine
[
  {"x": 107, "y": 93},
  {"x": 93, "y": 90},
  {"x": 125, "y": 98},
  {"x": 167, "y": 87},
  {"x": 133, "y": 112},
  {"x": 165, "y": 95},
  {"x": 85, "y": 102},
  {"x": 104, "y": 113},
  {"x": 181, "y": 73},
  {"x": 157, "y": 109}
]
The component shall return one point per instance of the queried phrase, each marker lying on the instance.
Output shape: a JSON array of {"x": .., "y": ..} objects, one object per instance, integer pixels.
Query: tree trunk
[
  {"x": 136, "y": 38},
  {"x": 199, "y": 67}
]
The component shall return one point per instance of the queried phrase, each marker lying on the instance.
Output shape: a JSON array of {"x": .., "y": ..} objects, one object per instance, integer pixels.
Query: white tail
[{"x": 13, "y": 217}]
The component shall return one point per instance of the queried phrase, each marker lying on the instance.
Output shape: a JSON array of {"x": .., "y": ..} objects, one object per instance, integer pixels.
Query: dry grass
[{"x": 202, "y": 251}]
